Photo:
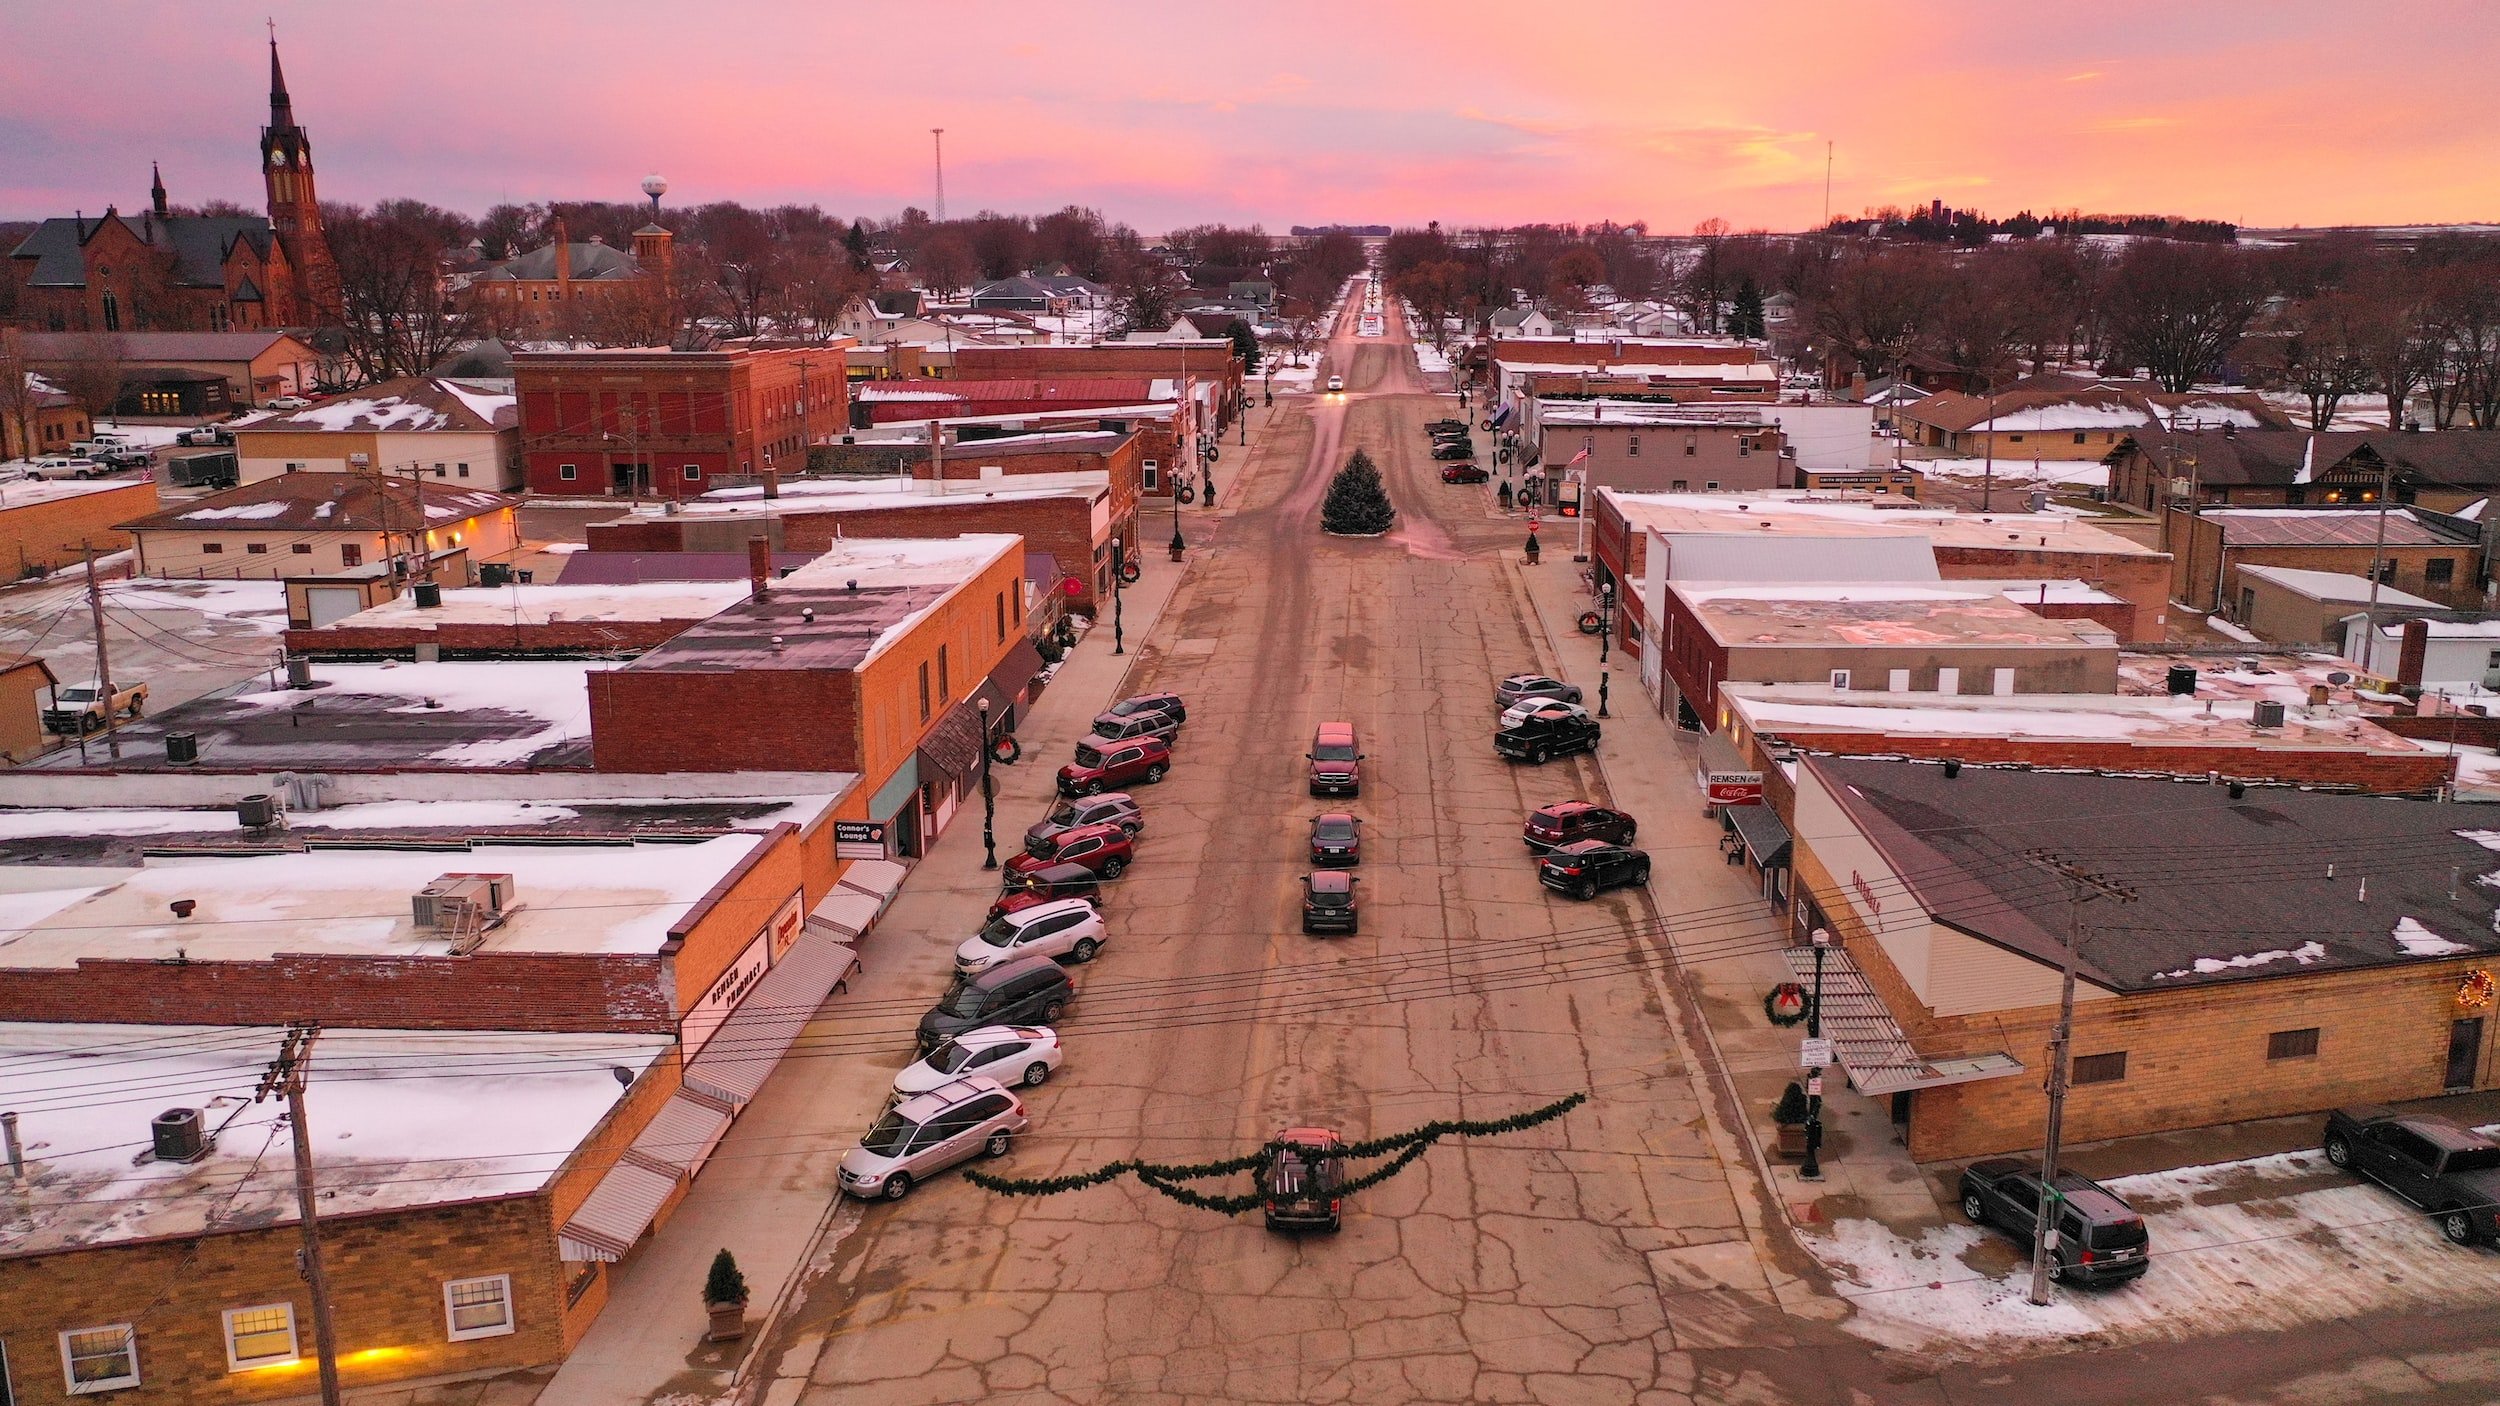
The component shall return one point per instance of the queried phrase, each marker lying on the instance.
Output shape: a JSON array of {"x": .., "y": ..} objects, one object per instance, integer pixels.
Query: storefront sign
[
  {"x": 706, "y": 1015},
  {"x": 1813, "y": 1054},
  {"x": 859, "y": 839},
  {"x": 1732, "y": 788},
  {"x": 786, "y": 927}
]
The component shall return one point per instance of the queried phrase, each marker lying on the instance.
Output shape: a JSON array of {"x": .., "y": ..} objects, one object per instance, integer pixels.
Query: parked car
[
  {"x": 1454, "y": 449},
  {"x": 1564, "y": 822},
  {"x": 1298, "y": 1186},
  {"x": 85, "y": 707},
  {"x": 1064, "y": 927},
  {"x": 2444, "y": 1168},
  {"x": 1328, "y": 902},
  {"x": 1103, "y": 849},
  {"x": 1583, "y": 867},
  {"x": 1548, "y": 733},
  {"x": 287, "y": 403},
  {"x": 1336, "y": 838},
  {"x": 1151, "y": 703},
  {"x": 1439, "y": 426},
  {"x": 1109, "y": 808},
  {"x": 2100, "y": 1238},
  {"x": 1011, "y": 1054},
  {"x": 206, "y": 436},
  {"x": 1527, "y": 708},
  {"x": 1111, "y": 727},
  {"x": 114, "y": 454},
  {"x": 65, "y": 466},
  {"x": 928, "y": 1133},
  {"x": 1028, "y": 990},
  {"x": 1523, "y": 686},
  {"x": 1336, "y": 761},
  {"x": 1024, "y": 891},
  {"x": 1100, "y": 768},
  {"x": 1464, "y": 473},
  {"x": 1336, "y": 383}
]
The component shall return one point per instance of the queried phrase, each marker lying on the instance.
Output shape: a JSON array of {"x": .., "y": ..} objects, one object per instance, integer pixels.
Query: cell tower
[{"x": 937, "y": 141}]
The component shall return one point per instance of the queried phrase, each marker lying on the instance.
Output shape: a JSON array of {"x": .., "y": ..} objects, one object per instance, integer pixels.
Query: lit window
[
  {"x": 100, "y": 1359},
  {"x": 260, "y": 1337},
  {"x": 478, "y": 1308}
]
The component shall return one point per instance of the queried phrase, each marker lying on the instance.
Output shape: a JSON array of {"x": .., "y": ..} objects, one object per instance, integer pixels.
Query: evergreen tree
[
  {"x": 856, "y": 243},
  {"x": 1356, "y": 505},
  {"x": 724, "y": 1284},
  {"x": 1746, "y": 319},
  {"x": 1245, "y": 344}
]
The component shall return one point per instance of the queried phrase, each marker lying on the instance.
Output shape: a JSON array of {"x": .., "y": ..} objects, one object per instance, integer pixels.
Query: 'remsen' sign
[{"x": 1732, "y": 788}]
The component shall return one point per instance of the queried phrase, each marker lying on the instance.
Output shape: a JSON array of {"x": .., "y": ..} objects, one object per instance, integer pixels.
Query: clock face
[{"x": 277, "y": 158}]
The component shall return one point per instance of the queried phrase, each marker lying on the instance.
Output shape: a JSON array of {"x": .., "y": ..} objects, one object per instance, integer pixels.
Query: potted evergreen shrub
[
  {"x": 725, "y": 1298},
  {"x": 1790, "y": 1114}
]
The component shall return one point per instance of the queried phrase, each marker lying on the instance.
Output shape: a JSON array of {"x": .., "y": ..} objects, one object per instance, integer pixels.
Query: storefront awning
[
  {"x": 684, "y": 1132},
  {"x": 741, "y": 1055},
  {"x": 617, "y": 1211},
  {"x": 952, "y": 748},
  {"x": 1766, "y": 839},
  {"x": 1870, "y": 1044}
]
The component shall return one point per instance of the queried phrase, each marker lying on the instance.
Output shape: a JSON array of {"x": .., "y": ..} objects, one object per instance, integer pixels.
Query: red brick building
[
  {"x": 648, "y": 421},
  {"x": 1205, "y": 359}
]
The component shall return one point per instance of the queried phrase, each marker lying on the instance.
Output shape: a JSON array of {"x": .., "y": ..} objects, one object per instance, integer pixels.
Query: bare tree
[
  {"x": 1877, "y": 306},
  {"x": 2178, "y": 309},
  {"x": 18, "y": 397},
  {"x": 1146, "y": 291},
  {"x": 1703, "y": 286},
  {"x": 2392, "y": 333},
  {"x": 390, "y": 285},
  {"x": 1980, "y": 329},
  {"x": 1437, "y": 291},
  {"x": 2464, "y": 317},
  {"x": 944, "y": 264},
  {"x": 92, "y": 373},
  {"x": 2316, "y": 347}
]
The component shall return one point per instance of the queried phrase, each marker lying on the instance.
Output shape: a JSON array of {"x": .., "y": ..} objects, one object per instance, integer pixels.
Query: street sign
[
  {"x": 1814, "y": 1085},
  {"x": 1814, "y": 1054},
  {"x": 1532, "y": 522}
]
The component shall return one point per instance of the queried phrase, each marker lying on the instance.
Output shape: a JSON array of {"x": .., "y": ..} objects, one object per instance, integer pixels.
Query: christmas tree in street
[{"x": 1356, "y": 505}]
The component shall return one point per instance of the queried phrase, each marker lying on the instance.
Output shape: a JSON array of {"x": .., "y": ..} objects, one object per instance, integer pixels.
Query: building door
[
  {"x": 627, "y": 479},
  {"x": 2465, "y": 1049}
]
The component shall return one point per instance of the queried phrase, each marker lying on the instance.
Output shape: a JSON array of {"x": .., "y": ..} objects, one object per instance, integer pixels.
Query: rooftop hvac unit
[
  {"x": 178, "y": 1136},
  {"x": 2268, "y": 713},
  {"x": 2491, "y": 680},
  {"x": 462, "y": 906}
]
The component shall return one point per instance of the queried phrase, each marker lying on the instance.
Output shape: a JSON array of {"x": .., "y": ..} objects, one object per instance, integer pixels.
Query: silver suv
[{"x": 926, "y": 1134}]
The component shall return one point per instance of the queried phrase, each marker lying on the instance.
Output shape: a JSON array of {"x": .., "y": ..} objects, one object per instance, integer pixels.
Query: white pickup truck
[{"x": 83, "y": 707}]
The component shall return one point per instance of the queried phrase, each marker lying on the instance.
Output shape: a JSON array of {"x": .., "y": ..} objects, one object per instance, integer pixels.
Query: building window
[
  {"x": 441, "y": 472},
  {"x": 258, "y": 549},
  {"x": 351, "y": 554},
  {"x": 693, "y": 472},
  {"x": 1692, "y": 446},
  {"x": 2100, "y": 1068},
  {"x": 924, "y": 691},
  {"x": 478, "y": 1308},
  {"x": 946, "y": 691},
  {"x": 1631, "y": 446},
  {"x": 302, "y": 549},
  {"x": 2439, "y": 571},
  {"x": 1154, "y": 476},
  {"x": 1744, "y": 446},
  {"x": 1681, "y": 484},
  {"x": 1710, "y": 485},
  {"x": 2387, "y": 572},
  {"x": 100, "y": 1359},
  {"x": 1002, "y": 615},
  {"x": 2292, "y": 1044},
  {"x": 260, "y": 1337},
  {"x": 2079, "y": 437},
  {"x": 464, "y": 471},
  {"x": 566, "y": 472},
  {"x": 2014, "y": 439},
  {"x": 112, "y": 313},
  {"x": 210, "y": 549},
  {"x": 294, "y": 466}
]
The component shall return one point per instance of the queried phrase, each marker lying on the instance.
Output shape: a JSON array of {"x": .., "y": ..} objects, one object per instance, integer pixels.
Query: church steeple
[
  {"x": 281, "y": 107},
  {"x": 294, "y": 207},
  {"x": 156, "y": 188}
]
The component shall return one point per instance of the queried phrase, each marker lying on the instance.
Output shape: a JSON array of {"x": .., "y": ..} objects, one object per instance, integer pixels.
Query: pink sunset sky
[{"x": 2274, "y": 112}]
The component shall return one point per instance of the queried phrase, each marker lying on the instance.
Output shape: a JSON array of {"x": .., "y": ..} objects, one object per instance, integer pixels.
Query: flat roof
[
  {"x": 613, "y": 899},
  {"x": 398, "y": 1117},
  {"x": 29, "y": 492},
  {"x": 1780, "y": 710},
  {"x": 1647, "y": 414},
  {"x": 535, "y": 604},
  {"x": 837, "y": 611},
  {"x": 1825, "y": 515},
  {"x": 2271, "y": 883},
  {"x": 2329, "y": 527},
  {"x": 834, "y": 495},
  {"x": 1861, "y": 614},
  {"x": 2335, "y": 587}
]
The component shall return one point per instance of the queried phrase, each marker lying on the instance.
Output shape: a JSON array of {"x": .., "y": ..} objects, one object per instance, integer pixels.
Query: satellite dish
[{"x": 2339, "y": 677}]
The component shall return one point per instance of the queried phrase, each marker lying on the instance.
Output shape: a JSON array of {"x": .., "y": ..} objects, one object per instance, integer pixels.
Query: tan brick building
[
  {"x": 42, "y": 523},
  {"x": 2285, "y": 952}
]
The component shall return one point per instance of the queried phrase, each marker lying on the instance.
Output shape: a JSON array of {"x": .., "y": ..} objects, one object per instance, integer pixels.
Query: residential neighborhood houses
[{"x": 660, "y": 799}]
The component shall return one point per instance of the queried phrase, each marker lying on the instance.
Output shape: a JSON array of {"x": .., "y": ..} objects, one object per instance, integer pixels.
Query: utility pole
[
  {"x": 103, "y": 656},
  {"x": 807, "y": 437},
  {"x": 2082, "y": 886},
  {"x": 2378, "y": 567},
  {"x": 1988, "y": 473},
  {"x": 286, "y": 1076},
  {"x": 1827, "y": 185}
]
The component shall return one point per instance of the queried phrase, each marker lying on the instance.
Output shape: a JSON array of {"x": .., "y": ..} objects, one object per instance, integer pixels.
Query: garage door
[{"x": 330, "y": 604}]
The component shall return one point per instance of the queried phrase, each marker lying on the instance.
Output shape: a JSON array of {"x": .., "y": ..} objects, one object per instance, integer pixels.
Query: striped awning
[
  {"x": 741, "y": 1055},
  {"x": 1870, "y": 1044},
  {"x": 619, "y": 1209},
  {"x": 684, "y": 1132}
]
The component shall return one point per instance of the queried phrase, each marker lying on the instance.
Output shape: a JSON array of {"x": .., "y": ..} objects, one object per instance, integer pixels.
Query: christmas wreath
[
  {"x": 2475, "y": 992},
  {"x": 1402, "y": 1150},
  {"x": 1786, "y": 1004}
]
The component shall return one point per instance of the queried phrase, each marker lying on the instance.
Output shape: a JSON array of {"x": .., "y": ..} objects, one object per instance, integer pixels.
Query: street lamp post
[
  {"x": 989, "y": 796},
  {"x": 1178, "y": 544},
  {"x": 1605, "y": 617},
  {"x": 1119, "y": 569},
  {"x": 1812, "y": 1168}
]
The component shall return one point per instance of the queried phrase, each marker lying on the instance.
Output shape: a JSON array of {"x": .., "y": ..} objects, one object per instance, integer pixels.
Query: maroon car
[
  {"x": 1102, "y": 765},
  {"x": 1463, "y": 473},
  {"x": 1550, "y": 827},
  {"x": 1100, "y": 849},
  {"x": 1043, "y": 885}
]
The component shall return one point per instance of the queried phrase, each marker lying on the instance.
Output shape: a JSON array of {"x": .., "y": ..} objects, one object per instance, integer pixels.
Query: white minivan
[{"x": 924, "y": 1135}]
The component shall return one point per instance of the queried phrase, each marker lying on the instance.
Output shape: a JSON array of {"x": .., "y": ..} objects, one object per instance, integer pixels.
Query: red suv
[
  {"x": 1103, "y": 849},
  {"x": 1102, "y": 765},
  {"x": 1554, "y": 826}
]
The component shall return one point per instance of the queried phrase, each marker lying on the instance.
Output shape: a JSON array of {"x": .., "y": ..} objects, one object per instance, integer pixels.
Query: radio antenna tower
[{"x": 937, "y": 141}]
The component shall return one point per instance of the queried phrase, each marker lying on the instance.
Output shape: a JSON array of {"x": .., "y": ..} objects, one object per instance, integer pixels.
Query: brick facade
[
  {"x": 567, "y": 638},
  {"x": 2142, "y": 579},
  {"x": 44, "y": 534},
  {"x": 2206, "y": 576},
  {"x": 2379, "y": 772},
  {"x": 671, "y": 423}
]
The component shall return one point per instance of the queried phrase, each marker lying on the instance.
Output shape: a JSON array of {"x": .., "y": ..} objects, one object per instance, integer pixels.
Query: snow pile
[
  {"x": 2419, "y": 941},
  {"x": 2304, "y": 954},
  {"x": 375, "y": 815},
  {"x": 257, "y": 603},
  {"x": 239, "y": 512}
]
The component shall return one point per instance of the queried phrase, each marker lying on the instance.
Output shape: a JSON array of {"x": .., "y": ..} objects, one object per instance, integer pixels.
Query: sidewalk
[{"x": 768, "y": 1192}]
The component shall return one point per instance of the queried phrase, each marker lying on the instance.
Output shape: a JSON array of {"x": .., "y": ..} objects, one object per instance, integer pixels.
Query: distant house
[
  {"x": 540, "y": 288},
  {"x": 460, "y": 432},
  {"x": 24, "y": 685},
  {"x": 1018, "y": 294},
  {"x": 1251, "y": 290},
  {"x": 1522, "y": 322},
  {"x": 309, "y": 524},
  {"x": 2447, "y": 471},
  {"x": 50, "y": 424},
  {"x": 2060, "y": 418}
]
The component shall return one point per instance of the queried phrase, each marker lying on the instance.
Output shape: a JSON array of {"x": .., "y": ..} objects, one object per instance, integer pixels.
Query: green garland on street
[{"x": 1402, "y": 1149}]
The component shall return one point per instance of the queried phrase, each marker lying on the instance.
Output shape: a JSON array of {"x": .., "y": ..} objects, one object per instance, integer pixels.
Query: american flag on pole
[{"x": 1576, "y": 458}]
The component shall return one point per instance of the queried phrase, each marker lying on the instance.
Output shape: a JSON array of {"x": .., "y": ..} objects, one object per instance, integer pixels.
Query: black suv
[
  {"x": 1026, "y": 991},
  {"x": 1328, "y": 902},
  {"x": 1583, "y": 867},
  {"x": 1299, "y": 1183},
  {"x": 1547, "y": 733},
  {"x": 1168, "y": 703},
  {"x": 2453, "y": 1172},
  {"x": 2100, "y": 1239},
  {"x": 1453, "y": 449}
]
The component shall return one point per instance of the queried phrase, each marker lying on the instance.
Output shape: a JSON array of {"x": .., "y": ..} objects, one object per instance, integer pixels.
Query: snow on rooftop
[
  {"x": 28, "y": 492},
  {"x": 821, "y": 494},
  {"x": 905, "y": 561},
  {"x": 1784, "y": 709},
  {"x": 397, "y": 1120},
  {"x": 238, "y": 512},
  {"x": 1703, "y": 592},
  {"x": 617, "y": 899},
  {"x": 2302, "y": 955},
  {"x": 372, "y": 815},
  {"x": 387, "y": 414},
  {"x": 2336, "y": 586},
  {"x": 536, "y": 604},
  {"x": 2415, "y": 940},
  {"x": 259, "y": 603},
  {"x": 554, "y": 692}
]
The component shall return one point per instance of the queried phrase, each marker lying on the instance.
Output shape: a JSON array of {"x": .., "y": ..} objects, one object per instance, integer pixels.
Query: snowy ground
[
  {"x": 2267, "y": 1243},
  {"x": 1290, "y": 375},
  {"x": 181, "y": 638}
]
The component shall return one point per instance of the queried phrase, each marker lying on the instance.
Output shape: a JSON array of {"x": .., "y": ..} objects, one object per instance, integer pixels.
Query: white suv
[
  {"x": 925, "y": 1135},
  {"x": 1064, "y": 927},
  {"x": 1011, "y": 1054}
]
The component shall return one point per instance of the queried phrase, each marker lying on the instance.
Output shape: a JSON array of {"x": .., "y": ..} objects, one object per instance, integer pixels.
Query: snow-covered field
[{"x": 2268, "y": 1243}]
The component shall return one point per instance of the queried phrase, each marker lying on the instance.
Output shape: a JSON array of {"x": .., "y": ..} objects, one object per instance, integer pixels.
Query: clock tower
[{"x": 294, "y": 209}]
